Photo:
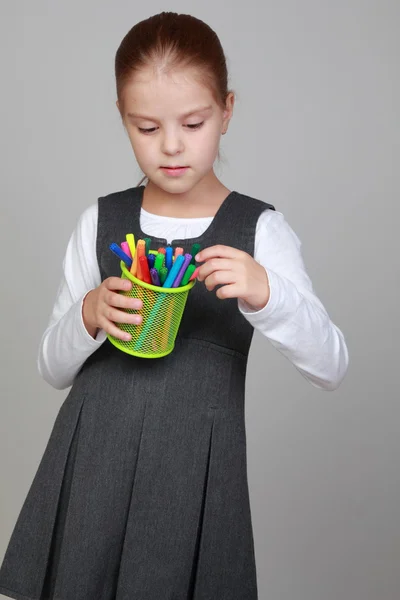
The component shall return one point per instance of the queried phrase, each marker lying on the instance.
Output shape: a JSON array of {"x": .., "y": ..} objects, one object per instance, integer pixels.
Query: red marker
[{"x": 144, "y": 265}]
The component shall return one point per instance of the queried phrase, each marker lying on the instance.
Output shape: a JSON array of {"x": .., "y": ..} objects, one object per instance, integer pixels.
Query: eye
[
  {"x": 150, "y": 130},
  {"x": 195, "y": 125}
]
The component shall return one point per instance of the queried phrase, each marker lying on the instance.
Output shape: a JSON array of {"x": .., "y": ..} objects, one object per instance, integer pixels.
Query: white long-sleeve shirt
[{"x": 294, "y": 320}]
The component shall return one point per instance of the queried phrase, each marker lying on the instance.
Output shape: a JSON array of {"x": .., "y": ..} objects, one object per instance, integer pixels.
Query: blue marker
[
  {"x": 121, "y": 254},
  {"x": 151, "y": 259},
  {"x": 178, "y": 262},
  {"x": 168, "y": 257}
]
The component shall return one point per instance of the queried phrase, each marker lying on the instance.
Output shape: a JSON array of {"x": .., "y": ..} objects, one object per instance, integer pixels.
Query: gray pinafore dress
[{"x": 142, "y": 491}]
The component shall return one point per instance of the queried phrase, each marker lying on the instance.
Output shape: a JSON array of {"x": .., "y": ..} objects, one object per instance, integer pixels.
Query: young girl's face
[{"x": 172, "y": 120}]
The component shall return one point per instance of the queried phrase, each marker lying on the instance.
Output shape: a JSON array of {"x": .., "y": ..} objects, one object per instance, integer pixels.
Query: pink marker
[
  {"x": 126, "y": 249},
  {"x": 195, "y": 273}
]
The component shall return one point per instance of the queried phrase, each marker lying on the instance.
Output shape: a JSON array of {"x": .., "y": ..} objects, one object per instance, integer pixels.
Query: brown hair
[{"x": 172, "y": 40}]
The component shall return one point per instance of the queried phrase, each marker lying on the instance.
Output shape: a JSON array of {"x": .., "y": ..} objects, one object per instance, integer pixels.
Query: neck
[{"x": 201, "y": 201}]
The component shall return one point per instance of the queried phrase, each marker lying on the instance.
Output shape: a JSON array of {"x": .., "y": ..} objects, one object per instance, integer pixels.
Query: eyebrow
[{"x": 192, "y": 112}]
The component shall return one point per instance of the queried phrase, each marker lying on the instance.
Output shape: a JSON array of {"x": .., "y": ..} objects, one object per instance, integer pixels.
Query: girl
[{"x": 142, "y": 490}]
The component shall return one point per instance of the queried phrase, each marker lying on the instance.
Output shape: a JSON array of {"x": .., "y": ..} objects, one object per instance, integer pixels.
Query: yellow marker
[{"x": 130, "y": 238}]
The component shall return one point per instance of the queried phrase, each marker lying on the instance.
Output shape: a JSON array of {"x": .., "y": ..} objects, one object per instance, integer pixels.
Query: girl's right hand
[{"x": 100, "y": 308}]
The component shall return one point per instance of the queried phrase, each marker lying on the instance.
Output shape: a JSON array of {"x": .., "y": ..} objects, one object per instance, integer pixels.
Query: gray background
[{"x": 315, "y": 132}]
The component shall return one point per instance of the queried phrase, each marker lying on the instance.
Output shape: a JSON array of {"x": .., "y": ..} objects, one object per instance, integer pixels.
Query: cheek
[
  {"x": 142, "y": 149},
  {"x": 208, "y": 146}
]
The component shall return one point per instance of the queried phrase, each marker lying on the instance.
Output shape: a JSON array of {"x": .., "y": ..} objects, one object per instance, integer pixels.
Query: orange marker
[
  {"x": 134, "y": 265},
  {"x": 140, "y": 251},
  {"x": 134, "y": 254},
  {"x": 178, "y": 252}
]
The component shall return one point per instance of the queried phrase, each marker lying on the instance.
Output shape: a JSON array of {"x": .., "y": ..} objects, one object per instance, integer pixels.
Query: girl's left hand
[{"x": 239, "y": 274}]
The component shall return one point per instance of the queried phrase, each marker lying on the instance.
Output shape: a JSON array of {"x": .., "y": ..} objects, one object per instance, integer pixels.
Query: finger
[
  {"x": 120, "y": 316},
  {"x": 214, "y": 264},
  {"x": 122, "y": 301},
  {"x": 219, "y": 278},
  {"x": 117, "y": 283},
  {"x": 115, "y": 331},
  {"x": 218, "y": 251},
  {"x": 228, "y": 291}
]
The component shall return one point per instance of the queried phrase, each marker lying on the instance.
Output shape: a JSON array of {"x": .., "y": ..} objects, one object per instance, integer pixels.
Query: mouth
[{"x": 174, "y": 171}]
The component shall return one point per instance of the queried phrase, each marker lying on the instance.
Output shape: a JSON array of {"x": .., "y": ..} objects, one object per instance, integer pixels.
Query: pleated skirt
[{"x": 141, "y": 493}]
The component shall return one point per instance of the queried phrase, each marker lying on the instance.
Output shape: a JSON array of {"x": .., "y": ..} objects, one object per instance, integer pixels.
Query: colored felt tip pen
[
  {"x": 185, "y": 264},
  {"x": 144, "y": 265},
  {"x": 134, "y": 265},
  {"x": 125, "y": 247},
  {"x": 195, "y": 273},
  {"x": 163, "y": 274},
  {"x": 162, "y": 250},
  {"x": 178, "y": 252},
  {"x": 168, "y": 257},
  {"x": 174, "y": 271},
  {"x": 195, "y": 250},
  {"x": 189, "y": 272},
  {"x": 155, "y": 278},
  {"x": 147, "y": 242},
  {"x": 160, "y": 259},
  {"x": 121, "y": 254},
  {"x": 140, "y": 251},
  {"x": 130, "y": 238},
  {"x": 151, "y": 259}
]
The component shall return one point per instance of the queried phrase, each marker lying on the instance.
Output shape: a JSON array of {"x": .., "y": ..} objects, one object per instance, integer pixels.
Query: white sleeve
[
  {"x": 66, "y": 344},
  {"x": 294, "y": 319}
]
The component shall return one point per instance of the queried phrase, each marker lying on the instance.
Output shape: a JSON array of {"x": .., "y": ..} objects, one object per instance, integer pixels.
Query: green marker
[
  {"x": 189, "y": 272},
  {"x": 195, "y": 250},
  {"x": 147, "y": 242},
  {"x": 163, "y": 274},
  {"x": 159, "y": 263}
]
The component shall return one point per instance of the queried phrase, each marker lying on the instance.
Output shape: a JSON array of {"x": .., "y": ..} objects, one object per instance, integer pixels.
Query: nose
[{"x": 172, "y": 142}]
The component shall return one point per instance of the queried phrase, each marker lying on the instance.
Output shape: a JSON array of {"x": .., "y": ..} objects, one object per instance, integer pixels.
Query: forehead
[{"x": 159, "y": 93}]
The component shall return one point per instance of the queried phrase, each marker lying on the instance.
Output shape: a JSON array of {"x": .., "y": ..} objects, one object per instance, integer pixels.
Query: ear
[{"x": 228, "y": 112}]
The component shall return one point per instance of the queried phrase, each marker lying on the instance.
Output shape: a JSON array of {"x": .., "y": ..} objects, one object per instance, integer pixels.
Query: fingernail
[
  {"x": 137, "y": 319},
  {"x": 197, "y": 257},
  {"x": 127, "y": 285},
  {"x": 127, "y": 337}
]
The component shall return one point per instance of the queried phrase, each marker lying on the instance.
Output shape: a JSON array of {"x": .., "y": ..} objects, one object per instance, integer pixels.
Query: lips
[{"x": 174, "y": 171}]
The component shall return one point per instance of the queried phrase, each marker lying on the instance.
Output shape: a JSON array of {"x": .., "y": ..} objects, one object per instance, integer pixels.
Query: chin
[{"x": 176, "y": 185}]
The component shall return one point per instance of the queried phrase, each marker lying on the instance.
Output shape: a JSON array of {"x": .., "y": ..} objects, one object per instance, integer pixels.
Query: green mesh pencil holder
[{"x": 162, "y": 314}]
